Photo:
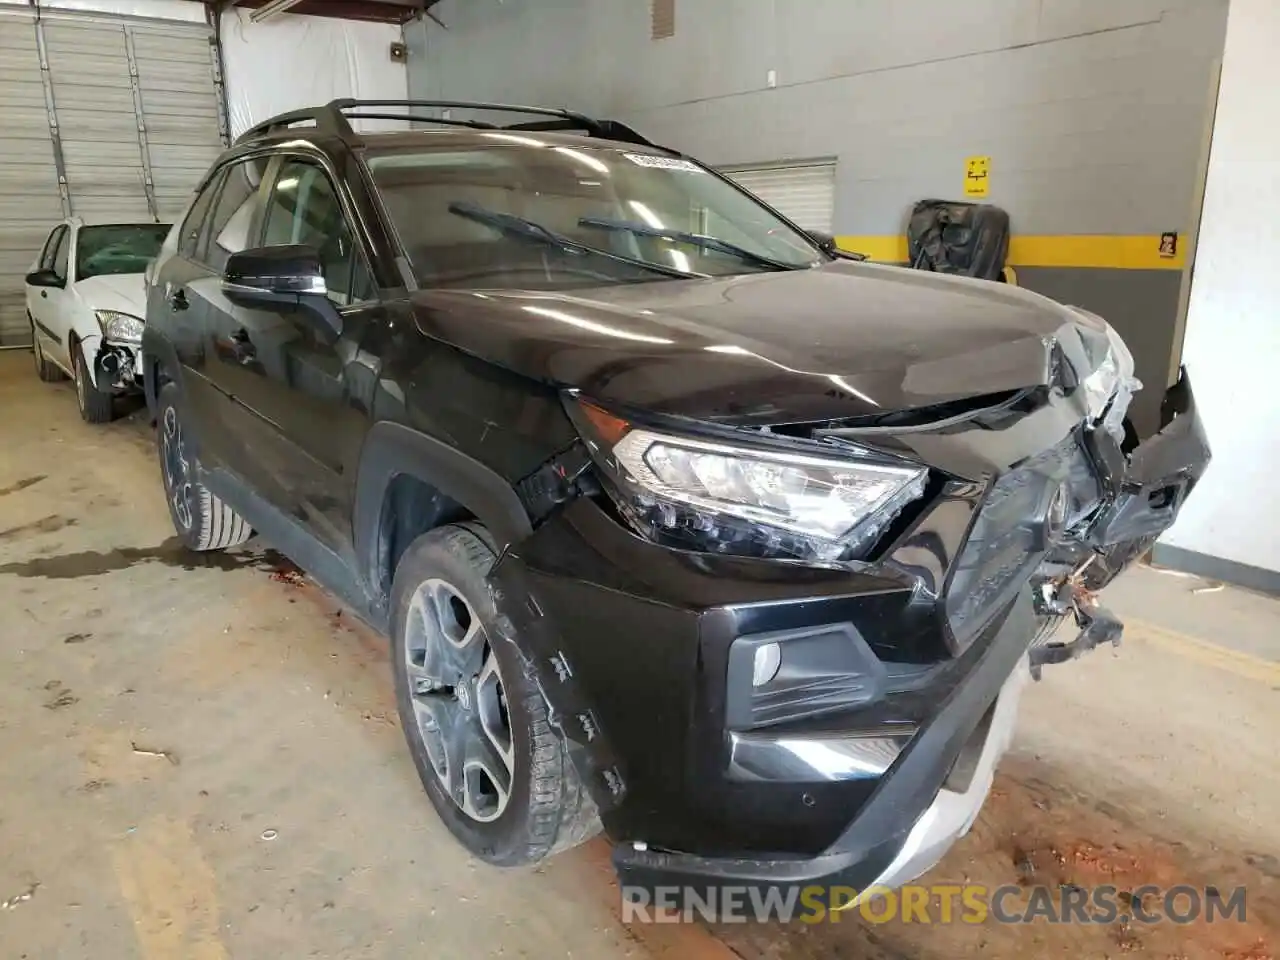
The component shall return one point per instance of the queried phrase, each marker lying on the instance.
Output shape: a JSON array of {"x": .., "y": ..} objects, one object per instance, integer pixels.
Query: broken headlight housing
[
  {"x": 118, "y": 326},
  {"x": 1109, "y": 388},
  {"x": 740, "y": 500}
]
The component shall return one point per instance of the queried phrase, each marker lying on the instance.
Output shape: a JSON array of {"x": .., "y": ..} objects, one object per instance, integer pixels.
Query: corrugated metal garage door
[
  {"x": 803, "y": 192},
  {"x": 29, "y": 200},
  {"x": 138, "y": 120},
  {"x": 182, "y": 107}
]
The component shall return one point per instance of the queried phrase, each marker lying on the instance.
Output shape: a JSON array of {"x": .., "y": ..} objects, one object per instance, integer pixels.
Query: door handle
[
  {"x": 178, "y": 300},
  {"x": 237, "y": 347}
]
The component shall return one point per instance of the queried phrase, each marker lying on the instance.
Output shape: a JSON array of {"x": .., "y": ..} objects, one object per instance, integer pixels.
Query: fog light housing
[{"x": 767, "y": 660}]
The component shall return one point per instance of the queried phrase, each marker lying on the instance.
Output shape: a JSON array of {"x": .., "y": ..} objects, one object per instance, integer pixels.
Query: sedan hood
[
  {"x": 123, "y": 292},
  {"x": 841, "y": 340}
]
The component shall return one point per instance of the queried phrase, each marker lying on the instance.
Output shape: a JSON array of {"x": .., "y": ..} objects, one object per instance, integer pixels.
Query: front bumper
[{"x": 637, "y": 648}]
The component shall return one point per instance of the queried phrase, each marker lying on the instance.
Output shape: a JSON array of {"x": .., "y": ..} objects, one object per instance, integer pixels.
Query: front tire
[
  {"x": 96, "y": 406},
  {"x": 476, "y": 723},
  {"x": 201, "y": 519}
]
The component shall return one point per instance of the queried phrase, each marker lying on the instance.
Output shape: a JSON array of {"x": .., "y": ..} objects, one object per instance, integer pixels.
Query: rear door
[
  {"x": 286, "y": 375},
  {"x": 187, "y": 286}
]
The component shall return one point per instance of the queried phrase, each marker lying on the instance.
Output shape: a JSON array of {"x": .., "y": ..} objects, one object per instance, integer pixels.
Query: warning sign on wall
[{"x": 977, "y": 172}]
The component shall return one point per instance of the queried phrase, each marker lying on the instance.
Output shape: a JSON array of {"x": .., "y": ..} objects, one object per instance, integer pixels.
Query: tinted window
[
  {"x": 190, "y": 239},
  {"x": 51, "y": 247},
  {"x": 448, "y": 202},
  {"x": 304, "y": 209},
  {"x": 61, "y": 254},
  {"x": 118, "y": 248},
  {"x": 233, "y": 213}
]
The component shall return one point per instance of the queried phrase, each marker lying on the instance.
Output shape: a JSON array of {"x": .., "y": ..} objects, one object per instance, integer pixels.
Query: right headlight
[
  {"x": 119, "y": 326},
  {"x": 742, "y": 500}
]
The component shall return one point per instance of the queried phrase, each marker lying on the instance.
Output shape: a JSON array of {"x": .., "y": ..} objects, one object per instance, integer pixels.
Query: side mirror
[
  {"x": 284, "y": 279},
  {"x": 45, "y": 278}
]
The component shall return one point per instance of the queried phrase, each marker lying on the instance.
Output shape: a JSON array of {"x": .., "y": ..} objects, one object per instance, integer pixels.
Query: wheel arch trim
[
  {"x": 393, "y": 449},
  {"x": 157, "y": 352}
]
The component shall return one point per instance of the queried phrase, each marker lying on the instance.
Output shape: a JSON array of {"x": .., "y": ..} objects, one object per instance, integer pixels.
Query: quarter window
[
  {"x": 51, "y": 246},
  {"x": 61, "y": 254},
  {"x": 189, "y": 239},
  {"x": 233, "y": 214}
]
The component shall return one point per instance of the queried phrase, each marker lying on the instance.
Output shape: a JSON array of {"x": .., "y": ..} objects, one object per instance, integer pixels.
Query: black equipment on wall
[{"x": 949, "y": 236}]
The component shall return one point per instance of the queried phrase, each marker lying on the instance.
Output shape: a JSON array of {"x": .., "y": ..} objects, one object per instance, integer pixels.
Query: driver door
[{"x": 286, "y": 378}]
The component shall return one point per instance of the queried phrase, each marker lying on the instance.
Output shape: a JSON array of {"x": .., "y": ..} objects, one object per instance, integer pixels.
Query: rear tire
[
  {"x": 470, "y": 708},
  {"x": 201, "y": 519},
  {"x": 46, "y": 370},
  {"x": 96, "y": 406}
]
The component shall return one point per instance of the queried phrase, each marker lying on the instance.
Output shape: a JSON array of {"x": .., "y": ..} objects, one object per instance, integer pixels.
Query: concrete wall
[
  {"x": 1233, "y": 328},
  {"x": 1092, "y": 112}
]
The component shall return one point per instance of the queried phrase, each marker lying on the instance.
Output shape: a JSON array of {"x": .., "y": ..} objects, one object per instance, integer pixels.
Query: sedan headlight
[
  {"x": 119, "y": 326},
  {"x": 745, "y": 501}
]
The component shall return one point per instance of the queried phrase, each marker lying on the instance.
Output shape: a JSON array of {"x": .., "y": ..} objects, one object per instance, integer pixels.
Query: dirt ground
[{"x": 201, "y": 760}]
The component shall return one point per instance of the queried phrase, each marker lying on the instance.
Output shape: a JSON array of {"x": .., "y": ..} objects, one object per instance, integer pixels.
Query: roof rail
[{"x": 335, "y": 116}]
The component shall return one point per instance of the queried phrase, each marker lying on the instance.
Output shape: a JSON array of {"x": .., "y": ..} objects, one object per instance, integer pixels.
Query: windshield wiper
[
  {"x": 532, "y": 230},
  {"x": 697, "y": 239}
]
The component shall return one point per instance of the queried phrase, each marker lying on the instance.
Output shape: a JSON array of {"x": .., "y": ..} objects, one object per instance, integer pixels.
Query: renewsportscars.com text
[{"x": 938, "y": 903}]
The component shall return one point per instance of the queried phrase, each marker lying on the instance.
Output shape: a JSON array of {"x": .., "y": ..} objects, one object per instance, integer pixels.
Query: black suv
[{"x": 682, "y": 523}]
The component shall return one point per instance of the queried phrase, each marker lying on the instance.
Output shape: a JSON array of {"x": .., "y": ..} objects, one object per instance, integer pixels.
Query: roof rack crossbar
[
  {"x": 347, "y": 104},
  {"x": 604, "y": 129},
  {"x": 334, "y": 118},
  {"x": 472, "y": 124}
]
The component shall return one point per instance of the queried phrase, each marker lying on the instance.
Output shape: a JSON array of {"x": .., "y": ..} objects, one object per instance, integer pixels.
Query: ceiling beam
[
  {"x": 271, "y": 9},
  {"x": 377, "y": 11}
]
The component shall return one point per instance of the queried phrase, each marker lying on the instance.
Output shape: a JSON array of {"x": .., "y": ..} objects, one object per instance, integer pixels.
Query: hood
[
  {"x": 123, "y": 292},
  {"x": 840, "y": 340}
]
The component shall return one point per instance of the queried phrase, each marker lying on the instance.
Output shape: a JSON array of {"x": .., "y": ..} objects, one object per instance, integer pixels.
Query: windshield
[
  {"x": 522, "y": 212},
  {"x": 118, "y": 248}
]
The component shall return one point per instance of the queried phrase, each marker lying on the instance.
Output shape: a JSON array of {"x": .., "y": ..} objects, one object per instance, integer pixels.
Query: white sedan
[{"x": 86, "y": 302}]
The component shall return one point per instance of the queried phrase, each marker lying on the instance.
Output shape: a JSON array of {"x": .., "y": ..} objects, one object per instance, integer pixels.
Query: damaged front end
[
  {"x": 1142, "y": 491},
  {"x": 734, "y": 680},
  {"x": 116, "y": 367}
]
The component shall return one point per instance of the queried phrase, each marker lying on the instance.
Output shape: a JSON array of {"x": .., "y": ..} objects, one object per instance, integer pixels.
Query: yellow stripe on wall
[{"x": 1102, "y": 252}]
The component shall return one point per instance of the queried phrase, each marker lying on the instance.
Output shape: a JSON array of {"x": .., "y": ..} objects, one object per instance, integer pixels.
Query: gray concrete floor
[{"x": 201, "y": 760}]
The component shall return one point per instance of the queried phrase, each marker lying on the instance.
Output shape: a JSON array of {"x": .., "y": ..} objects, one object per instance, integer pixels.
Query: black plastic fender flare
[
  {"x": 391, "y": 449},
  {"x": 157, "y": 351}
]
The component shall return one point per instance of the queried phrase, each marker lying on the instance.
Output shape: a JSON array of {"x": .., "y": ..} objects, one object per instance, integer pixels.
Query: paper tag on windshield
[{"x": 664, "y": 163}]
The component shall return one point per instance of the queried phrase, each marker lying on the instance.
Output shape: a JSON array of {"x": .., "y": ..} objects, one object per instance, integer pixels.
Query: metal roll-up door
[
  {"x": 132, "y": 110},
  {"x": 177, "y": 70},
  {"x": 30, "y": 203},
  {"x": 97, "y": 119},
  {"x": 805, "y": 193}
]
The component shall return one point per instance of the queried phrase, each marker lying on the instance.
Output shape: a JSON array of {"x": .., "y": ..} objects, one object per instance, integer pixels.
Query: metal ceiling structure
[{"x": 376, "y": 11}]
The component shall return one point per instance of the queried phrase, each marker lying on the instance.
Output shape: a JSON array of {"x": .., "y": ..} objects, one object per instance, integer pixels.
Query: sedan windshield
[
  {"x": 118, "y": 248},
  {"x": 528, "y": 212}
]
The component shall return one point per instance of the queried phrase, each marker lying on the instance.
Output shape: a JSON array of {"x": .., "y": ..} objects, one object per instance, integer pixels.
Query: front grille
[{"x": 1006, "y": 543}]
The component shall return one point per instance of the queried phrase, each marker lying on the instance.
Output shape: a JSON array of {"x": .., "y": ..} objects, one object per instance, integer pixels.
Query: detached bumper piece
[
  {"x": 1097, "y": 627},
  {"x": 1146, "y": 490}
]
